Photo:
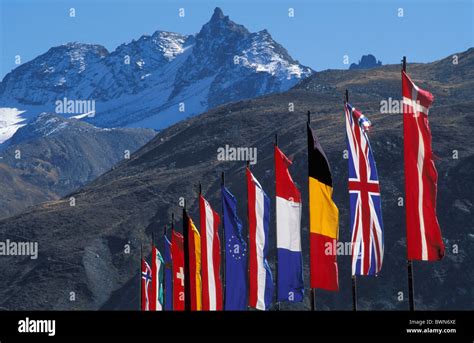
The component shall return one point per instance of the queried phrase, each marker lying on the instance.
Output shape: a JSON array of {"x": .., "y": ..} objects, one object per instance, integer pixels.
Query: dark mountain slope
[
  {"x": 52, "y": 156},
  {"x": 81, "y": 248}
]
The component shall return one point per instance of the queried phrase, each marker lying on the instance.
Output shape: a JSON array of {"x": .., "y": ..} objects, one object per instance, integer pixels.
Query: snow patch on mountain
[
  {"x": 144, "y": 82},
  {"x": 10, "y": 121}
]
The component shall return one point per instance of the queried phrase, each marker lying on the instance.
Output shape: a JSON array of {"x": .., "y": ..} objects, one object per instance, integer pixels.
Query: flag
[
  {"x": 168, "y": 276},
  {"x": 288, "y": 225},
  {"x": 177, "y": 254},
  {"x": 364, "y": 197},
  {"x": 260, "y": 276},
  {"x": 323, "y": 218},
  {"x": 424, "y": 241},
  {"x": 157, "y": 266},
  {"x": 211, "y": 257},
  {"x": 146, "y": 286},
  {"x": 194, "y": 266},
  {"x": 235, "y": 255}
]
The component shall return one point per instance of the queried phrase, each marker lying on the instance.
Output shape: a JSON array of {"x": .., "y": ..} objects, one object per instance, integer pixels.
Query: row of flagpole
[{"x": 418, "y": 102}]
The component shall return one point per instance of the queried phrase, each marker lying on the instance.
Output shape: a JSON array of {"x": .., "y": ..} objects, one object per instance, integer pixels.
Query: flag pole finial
[
  {"x": 276, "y": 139},
  {"x": 404, "y": 63},
  {"x": 248, "y": 164},
  {"x": 309, "y": 116},
  {"x": 347, "y": 95},
  {"x": 200, "y": 188},
  {"x": 222, "y": 179}
]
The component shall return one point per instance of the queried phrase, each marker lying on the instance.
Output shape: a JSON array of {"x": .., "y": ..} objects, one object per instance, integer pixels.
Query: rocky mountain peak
[
  {"x": 218, "y": 15},
  {"x": 366, "y": 62},
  {"x": 220, "y": 26},
  {"x": 147, "y": 77}
]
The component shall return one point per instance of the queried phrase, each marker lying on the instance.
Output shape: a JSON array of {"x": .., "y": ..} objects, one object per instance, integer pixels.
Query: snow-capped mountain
[{"x": 154, "y": 81}]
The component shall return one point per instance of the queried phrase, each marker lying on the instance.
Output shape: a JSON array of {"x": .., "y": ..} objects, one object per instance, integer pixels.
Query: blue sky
[{"x": 319, "y": 35}]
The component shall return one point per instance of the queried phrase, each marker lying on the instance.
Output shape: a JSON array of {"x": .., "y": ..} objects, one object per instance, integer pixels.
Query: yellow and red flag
[{"x": 323, "y": 218}]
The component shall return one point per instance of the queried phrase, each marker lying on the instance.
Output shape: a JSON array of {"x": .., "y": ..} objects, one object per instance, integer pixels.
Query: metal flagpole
[
  {"x": 140, "y": 274},
  {"x": 223, "y": 247},
  {"x": 187, "y": 285},
  {"x": 171, "y": 265},
  {"x": 155, "y": 301},
  {"x": 164, "y": 270},
  {"x": 411, "y": 286},
  {"x": 354, "y": 277},
  {"x": 313, "y": 291},
  {"x": 354, "y": 293},
  {"x": 276, "y": 259},
  {"x": 248, "y": 239}
]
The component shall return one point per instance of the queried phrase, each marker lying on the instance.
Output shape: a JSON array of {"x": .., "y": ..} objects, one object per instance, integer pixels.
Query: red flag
[
  {"x": 177, "y": 255},
  {"x": 146, "y": 286},
  {"x": 424, "y": 240},
  {"x": 211, "y": 257}
]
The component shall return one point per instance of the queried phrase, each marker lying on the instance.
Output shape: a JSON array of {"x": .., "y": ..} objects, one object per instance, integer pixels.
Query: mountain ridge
[
  {"x": 125, "y": 205},
  {"x": 144, "y": 83},
  {"x": 52, "y": 156}
]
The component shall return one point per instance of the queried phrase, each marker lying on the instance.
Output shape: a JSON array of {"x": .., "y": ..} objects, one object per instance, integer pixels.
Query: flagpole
[
  {"x": 164, "y": 274},
  {"x": 171, "y": 266},
  {"x": 154, "y": 278},
  {"x": 276, "y": 260},
  {"x": 411, "y": 286},
  {"x": 354, "y": 277},
  {"x": 313, "y": 291},
  {"x": 248, "y": 240},
  {"x": 187, "y": 286},
  {"x": 140, "y": 274},
  {"x": 223, "y": 245}
]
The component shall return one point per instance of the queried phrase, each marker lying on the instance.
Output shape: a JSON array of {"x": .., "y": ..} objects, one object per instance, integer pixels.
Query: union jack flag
[{"x": 364, "y": 195}]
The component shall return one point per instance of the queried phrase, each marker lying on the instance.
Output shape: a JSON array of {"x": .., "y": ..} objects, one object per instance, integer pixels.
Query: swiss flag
[{"x": 177, "y": 255}]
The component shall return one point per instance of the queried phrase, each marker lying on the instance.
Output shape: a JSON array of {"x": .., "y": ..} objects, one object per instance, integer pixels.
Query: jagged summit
[
  {"x": 366, "y": 62},
  {"x": 141, "y": 83},
  {"x": 218, "y": 14}
]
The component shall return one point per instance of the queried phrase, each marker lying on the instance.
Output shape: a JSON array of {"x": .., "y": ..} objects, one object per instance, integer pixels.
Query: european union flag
[{"x": 235, "y": 255}]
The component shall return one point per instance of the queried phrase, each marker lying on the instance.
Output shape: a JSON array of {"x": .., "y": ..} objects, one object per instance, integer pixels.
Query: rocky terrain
[
  {"x": 82, "y": 248},
  {"x": 366, "y": 62},
  {"x": 154, "y": 81},
  {"x": 52, "y": 156}
]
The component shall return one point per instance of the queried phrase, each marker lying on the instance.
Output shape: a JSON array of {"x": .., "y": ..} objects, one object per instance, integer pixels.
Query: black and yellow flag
[{"x": 323, "y": 218}]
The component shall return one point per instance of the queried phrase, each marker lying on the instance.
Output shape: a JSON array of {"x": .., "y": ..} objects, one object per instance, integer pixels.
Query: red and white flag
[
  {"x": 177, "y": 254},
  {"x": 260, "y": 276},
  {"x": 424, "y": 241},
  {"x": 211, "y": 257},
  {"x": 145, "y": 285}
]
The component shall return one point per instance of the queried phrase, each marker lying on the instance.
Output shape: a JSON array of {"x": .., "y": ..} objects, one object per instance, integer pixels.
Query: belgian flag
[{"x": 323, "y": 218}]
